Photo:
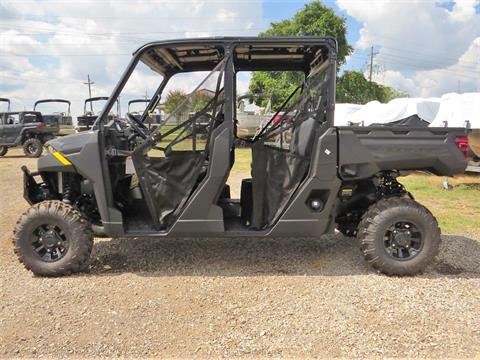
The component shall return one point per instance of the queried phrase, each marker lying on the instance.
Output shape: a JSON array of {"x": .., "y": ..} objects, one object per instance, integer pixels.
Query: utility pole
[
  {"x": 372, "y": 54},
  {"x": 89, "y": 83}
]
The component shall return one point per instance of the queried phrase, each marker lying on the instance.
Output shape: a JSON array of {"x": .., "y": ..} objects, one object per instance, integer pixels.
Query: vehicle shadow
[
  {"x": 15, "y": 157},
  {"x": 327, "y": 256}
]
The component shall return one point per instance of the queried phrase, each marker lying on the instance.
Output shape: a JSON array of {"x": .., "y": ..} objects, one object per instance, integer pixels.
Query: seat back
[{"x": 302, "y": 138}]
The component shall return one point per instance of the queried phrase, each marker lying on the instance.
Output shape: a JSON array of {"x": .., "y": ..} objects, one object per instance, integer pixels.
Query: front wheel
[
  {"x": 398, "y": 236},
  {"x": 3, "y": 150},
  {"x": 53, "y": 239},
  {"x": 33, "y": 148}
]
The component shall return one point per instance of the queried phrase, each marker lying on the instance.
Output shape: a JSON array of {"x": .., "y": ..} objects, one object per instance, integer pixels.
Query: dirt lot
[{"x": 240, "y": 297}]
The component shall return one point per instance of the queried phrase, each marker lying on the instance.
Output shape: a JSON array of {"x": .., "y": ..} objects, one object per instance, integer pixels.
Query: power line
[
  {"x": 432, "y": 62},
  {"x": 424, "y": 64},
  {"x": 61, "y": 55},
  {"x": 131, "y": 18},
  {"x": 38, "y": 79},
  {"x": 413, "y": 66},
  {"x": 121, "y": 33},
  {"x": 159, "y": 1},
  {"x": 429, "y": 55},
  {"x": 422, "y": 46}
]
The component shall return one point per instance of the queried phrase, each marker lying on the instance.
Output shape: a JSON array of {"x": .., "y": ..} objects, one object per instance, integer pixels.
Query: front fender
[
  {"x": 82, "y": 150},
  {"x": 49, "y": 163}
]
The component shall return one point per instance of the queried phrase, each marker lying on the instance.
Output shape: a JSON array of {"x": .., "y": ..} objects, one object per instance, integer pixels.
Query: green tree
[
  {"x": 315, "y": 19},
  {"x": 353, "y": 87},
  {"x": 174, "y": 99},
  {"x": 200, "y": 100}
]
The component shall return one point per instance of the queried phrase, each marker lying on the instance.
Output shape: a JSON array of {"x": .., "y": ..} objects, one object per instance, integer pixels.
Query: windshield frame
[{"x": 137, "y": 56}]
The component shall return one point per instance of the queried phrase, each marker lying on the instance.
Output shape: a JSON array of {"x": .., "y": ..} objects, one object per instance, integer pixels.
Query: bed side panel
[{"x": 364, "y": 151}]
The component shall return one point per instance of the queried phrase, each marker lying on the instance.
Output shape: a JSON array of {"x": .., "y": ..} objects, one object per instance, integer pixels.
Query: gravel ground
[{"x": 231, "y": 298}]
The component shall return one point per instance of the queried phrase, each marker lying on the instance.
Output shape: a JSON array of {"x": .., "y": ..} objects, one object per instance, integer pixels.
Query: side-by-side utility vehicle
[
  {"x": 90, "y": 113},
  {"x": 154, "y": 119},
  {"x": 62, "y": 118},
  {"x": 7, "y": 102},
  {"x": 27, "y": 129},
  {"x": 127, "y": 181}
]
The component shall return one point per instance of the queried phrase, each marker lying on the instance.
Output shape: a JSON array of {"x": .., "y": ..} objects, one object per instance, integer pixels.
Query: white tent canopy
[
  {"x": 452, "y": 110},
  {"x": 375, "y": 112},
  {"x": 456, "y": 109},
  {"x": 343, "y": 113}
]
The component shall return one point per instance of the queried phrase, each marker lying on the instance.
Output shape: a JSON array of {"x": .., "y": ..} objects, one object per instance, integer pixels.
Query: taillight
[
  {"x": 276, "y": 119},
  {"x": 462, "y": 144},
  {"x": 40, "y": 125}
]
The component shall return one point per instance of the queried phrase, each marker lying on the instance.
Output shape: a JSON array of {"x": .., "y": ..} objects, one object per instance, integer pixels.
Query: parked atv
[
  {"x": 249, "y": 116},
  {"x": 64, "y": 119},
  {"x": 153, "y": 119},
  {"x": 90, "y": 113},
  {"x": 26, "y": 129},
  {"x": 7, "y": 101},
  {"x": 119, "y": 181}
]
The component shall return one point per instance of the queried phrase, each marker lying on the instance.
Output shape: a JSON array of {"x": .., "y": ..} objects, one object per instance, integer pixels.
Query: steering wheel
[{"x": 137, "y": 126}]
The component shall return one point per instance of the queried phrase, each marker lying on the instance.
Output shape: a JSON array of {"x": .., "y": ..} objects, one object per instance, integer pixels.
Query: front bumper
[{"x": 32, "y": 191}]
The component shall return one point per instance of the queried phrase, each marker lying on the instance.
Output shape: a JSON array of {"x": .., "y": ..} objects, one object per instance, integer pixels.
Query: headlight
[{"x": 50, "y": 149}]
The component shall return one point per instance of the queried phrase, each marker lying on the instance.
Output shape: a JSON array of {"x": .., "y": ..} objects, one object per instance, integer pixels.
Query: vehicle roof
[
  {"x": 51, "y": 100},
  {"x": 96, "y": 98},
  {"x": 21, "y": 112},
  {"x": 5, "y": 100},
  {"x": 250, "y": 53},
  {"x": 138, "y": 100},
  {"x": 307, "y": 40}
]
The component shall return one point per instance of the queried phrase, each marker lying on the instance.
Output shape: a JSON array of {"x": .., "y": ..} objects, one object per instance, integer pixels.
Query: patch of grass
[
  {"x": 240, "y": 170},
  {"x": 243, "y": 159},
  {"x": 457, "y": 210}
]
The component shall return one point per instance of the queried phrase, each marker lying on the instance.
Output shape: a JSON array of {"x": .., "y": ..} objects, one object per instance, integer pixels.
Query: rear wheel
[
  {"x": 53, "y": 239},
  {"x": 33, "y": 148},
  {"x": 3, "y": 150},
  {"x": 398, "y": 236}
]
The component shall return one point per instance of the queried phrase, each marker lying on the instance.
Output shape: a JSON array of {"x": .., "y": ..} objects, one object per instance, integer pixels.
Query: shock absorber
[{"x": 64, "y": 187}]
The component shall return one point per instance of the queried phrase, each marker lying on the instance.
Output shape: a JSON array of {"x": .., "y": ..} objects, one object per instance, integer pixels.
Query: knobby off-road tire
[
  {"x": 398, "y": 236},
  {"x": 33, "y": 148},
  {"x": 3, "y": 150},
  {"x": 53, "y": 239}
]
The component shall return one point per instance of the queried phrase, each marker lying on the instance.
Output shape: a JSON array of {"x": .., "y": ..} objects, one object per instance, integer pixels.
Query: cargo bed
[{"x": 364, "y": 151}]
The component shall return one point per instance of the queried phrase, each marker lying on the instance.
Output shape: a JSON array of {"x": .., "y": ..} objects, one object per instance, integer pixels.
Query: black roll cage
[
  {"x": 228, "y": 44},
  {"x": 135, "y": 101},
  {"x": 99, "y": 98},
  {"x": 51, "y": 101},
  {"x": 7, "y": 101}
]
